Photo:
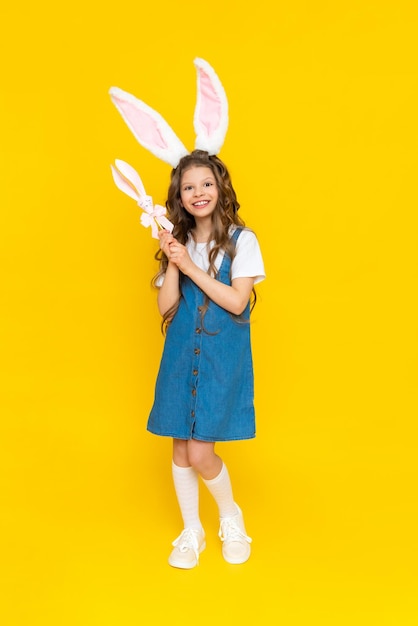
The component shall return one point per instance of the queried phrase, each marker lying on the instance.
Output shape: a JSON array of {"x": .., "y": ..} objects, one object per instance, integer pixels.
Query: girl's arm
[
  {"x": 169, "y": 292},
  {"x": 233, "y": 298}
]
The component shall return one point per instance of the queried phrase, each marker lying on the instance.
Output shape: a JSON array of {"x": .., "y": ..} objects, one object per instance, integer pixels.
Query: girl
[
  {"x": 204, "y": 391},
  {"x": 209, "y": 266}
]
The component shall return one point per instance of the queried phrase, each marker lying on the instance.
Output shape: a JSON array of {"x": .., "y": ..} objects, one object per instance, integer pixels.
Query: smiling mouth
[{"x": 201, "y": 203}]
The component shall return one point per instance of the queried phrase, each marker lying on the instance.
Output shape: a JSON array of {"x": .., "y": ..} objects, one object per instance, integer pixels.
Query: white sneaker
[
  {"x": 235, "y": 541},
  {"x": 187, "y": 547}
]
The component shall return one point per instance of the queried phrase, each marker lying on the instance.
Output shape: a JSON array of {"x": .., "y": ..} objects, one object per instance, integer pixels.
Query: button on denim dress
[{"x": 205, "y": 384}]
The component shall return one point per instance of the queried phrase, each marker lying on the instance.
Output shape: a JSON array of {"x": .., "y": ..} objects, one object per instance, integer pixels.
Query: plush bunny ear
[
  {"x": 132, "y": 176},
  {"x": 149, "y": 127},
  {"x": 128, "y": 180},
  {"x": 123, "y": 184},
  {"x": 211, "y": 112}
]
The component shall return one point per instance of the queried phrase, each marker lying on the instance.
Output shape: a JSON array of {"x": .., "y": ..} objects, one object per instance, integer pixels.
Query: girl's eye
[
  {"x": 187, "y": 188},
  {"x": 208, "y": 184}
]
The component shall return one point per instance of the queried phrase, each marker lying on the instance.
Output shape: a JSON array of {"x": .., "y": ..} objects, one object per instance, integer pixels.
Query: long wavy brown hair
[{"x": 224, "y": 216}]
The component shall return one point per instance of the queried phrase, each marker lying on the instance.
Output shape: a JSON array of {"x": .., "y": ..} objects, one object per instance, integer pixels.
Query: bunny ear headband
[{"x": 156, "y": 136}]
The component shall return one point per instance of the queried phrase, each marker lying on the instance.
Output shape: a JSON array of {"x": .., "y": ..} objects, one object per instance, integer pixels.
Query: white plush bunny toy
[{"x": 154, "y": 134}]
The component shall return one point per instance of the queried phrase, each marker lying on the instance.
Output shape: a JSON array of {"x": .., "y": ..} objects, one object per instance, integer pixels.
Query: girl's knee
[
  {"x": 180, "y": 453},
  {"x": 201, "y": 455}
]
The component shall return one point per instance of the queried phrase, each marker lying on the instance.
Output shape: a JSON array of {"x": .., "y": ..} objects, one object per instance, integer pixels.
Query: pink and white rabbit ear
[
  {"x": 149, "y": 127},
  {"x": 123, "y": 184},
  {"x": 211, "y": 112},
  {"x": 131, "y": 176}
]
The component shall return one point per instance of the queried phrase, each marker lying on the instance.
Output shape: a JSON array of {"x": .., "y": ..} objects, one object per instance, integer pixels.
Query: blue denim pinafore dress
[{"x": 205, "y": 384}]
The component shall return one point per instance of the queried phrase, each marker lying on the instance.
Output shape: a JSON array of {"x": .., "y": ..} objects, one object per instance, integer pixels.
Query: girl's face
[{"x": 199, "y": 192}]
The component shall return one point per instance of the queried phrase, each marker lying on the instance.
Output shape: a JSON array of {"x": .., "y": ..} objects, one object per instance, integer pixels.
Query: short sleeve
[{"x": 248, "y": 261}]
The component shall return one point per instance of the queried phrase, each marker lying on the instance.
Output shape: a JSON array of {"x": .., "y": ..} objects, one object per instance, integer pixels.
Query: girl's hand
[
  {"x": 179, "y": 256},
  {"x": 166, "y": 238}
]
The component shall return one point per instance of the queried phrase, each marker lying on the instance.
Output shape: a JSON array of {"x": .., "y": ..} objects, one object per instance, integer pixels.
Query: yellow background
[{"x": 322, "y": 149}]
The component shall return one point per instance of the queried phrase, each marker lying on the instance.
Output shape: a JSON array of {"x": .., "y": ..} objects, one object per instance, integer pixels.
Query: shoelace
[
  {"x": 230, "y": 531},
  {"x": 188, "y": 540}
]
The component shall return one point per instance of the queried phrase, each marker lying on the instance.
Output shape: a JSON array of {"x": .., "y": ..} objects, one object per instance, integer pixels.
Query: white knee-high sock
[
  {"x": 186, "y": 484},
  {"x": 221, "y": 489}
]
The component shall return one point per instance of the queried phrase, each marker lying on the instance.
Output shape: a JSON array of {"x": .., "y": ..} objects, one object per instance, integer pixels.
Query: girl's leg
[
  {"x": 236, "y": 543},
  {"x": 214, "y": 474},
  {"x": 191, "y": 541},
  {"x": 186, "y": 485}
]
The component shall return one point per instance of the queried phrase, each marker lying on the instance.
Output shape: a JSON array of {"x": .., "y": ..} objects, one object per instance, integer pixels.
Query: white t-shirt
[{"x": 248, "y": 261}]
